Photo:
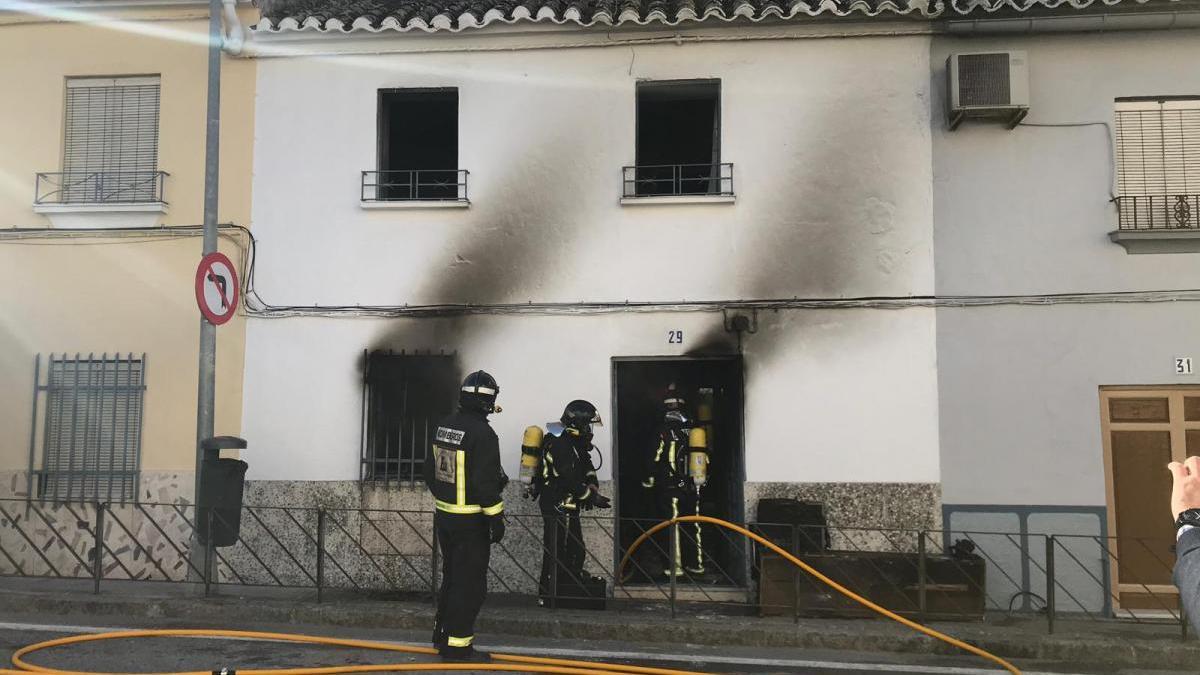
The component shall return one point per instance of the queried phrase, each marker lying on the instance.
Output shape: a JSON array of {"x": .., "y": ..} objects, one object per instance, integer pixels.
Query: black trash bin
[{"x": 221, "y": 485}]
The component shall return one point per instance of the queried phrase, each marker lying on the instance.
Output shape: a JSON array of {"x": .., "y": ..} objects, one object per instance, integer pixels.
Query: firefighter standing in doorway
[
  {"x": 466, "y": 480},
  {"x": 565, "y": 483},
  {"x": 677, "y": 472}
]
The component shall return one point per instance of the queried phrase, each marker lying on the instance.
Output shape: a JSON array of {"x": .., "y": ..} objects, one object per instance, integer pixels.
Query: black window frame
[
  {"x": 679, "y": 176},
  {"x": 397, "y": 180}
]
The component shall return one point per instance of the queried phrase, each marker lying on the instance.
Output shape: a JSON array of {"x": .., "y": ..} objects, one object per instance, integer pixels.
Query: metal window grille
[
  {"x": 110, "y": 145},
  {"x": 404, "y": 398},
  {"x": 1158, "y": 163},
  {"x": 90, "y": 427}
]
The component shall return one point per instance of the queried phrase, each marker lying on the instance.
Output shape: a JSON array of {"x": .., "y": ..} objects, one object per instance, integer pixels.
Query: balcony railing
[
  {"x": 100, "y": 187},
  {"x": 439, "y": 185},
  {"x": 677, "y": 180},
  {"x": 1159, "y": 212}
]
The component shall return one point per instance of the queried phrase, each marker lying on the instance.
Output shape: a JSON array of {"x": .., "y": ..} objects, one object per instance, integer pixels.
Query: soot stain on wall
[
  {"x": 509, "y": 252},
  {"x": 804, "y": 246}
]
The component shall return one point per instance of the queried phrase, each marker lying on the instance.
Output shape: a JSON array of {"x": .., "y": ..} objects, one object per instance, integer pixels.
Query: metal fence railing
[
  {"x": 437, "y": 185},
  {"x": 677, "y": 180},
  {"x": 100, "y": 187},
  {"x": 925, "y": 574},
  {"x": 1158, "y": 212}
]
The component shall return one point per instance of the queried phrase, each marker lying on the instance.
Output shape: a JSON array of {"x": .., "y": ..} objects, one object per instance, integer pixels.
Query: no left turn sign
[{"x": 216, "y": 288}]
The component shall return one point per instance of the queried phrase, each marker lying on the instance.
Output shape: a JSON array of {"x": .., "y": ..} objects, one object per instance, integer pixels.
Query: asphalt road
[{"x": 160, "y": 655}]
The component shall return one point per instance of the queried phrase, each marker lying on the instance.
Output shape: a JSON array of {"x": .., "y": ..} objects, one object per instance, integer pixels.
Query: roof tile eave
[{"x": 350, "y": 16}]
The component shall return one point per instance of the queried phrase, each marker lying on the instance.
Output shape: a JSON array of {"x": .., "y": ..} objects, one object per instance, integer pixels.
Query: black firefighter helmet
[
  {"x": 580, "y": 415},
  {"x": 479, "y": 391},
  {"x": 673, "y": 398}
]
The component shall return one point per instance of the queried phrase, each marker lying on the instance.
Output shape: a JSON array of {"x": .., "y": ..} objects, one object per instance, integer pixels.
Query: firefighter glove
[
  {"x": 496, "y": 525},
  {"x": 599, "y": 501}
]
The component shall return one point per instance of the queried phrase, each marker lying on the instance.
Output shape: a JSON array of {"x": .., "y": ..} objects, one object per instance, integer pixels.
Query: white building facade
[{"x": 802, "y": 284}]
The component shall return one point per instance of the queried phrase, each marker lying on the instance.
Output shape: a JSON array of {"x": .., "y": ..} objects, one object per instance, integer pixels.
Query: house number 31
[{"x": 675, "y": 337}]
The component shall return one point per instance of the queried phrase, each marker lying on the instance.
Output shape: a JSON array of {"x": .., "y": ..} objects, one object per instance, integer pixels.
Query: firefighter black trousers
[
  {"x": 689, "y": 551},
  {"x": 466, "y": 547},
  {"x": 562, "y": 538}
]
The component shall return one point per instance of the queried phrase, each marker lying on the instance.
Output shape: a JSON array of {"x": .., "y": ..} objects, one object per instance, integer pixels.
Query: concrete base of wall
[
  {"x": 376, "y": 537},
  {"x": 913, "y": 506},
  {"x": 396, "y": 522}
]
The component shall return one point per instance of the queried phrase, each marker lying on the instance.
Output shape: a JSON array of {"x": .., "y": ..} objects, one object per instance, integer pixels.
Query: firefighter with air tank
[
  {"x": 557, "y": 468},
  {"x": 677, "y": 473}
]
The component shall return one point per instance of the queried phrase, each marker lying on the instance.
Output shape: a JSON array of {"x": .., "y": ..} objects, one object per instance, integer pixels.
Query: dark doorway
[{"x": 638, "y": 387}]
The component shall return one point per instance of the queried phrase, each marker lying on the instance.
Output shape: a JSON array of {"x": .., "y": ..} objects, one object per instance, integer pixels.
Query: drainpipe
[
  {"x": 235, "y": 33},
  {"x": 1075, "y": 24}
]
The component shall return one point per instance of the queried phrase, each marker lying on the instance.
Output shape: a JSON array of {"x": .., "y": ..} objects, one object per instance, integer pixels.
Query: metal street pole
[{"x": 206, "y": 394}]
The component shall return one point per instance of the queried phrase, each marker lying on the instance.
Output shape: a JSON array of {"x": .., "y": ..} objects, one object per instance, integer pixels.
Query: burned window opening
[
  {"x": 418, "y": 147},
  {"x": 679, "y": 140},
  {"x": 404, "y": 396}
]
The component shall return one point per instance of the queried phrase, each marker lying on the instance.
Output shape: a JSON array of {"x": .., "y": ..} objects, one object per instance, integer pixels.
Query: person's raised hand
[{"x": 1185, "y": 489}]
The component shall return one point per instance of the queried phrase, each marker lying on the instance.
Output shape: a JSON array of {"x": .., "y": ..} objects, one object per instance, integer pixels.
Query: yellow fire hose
[
  {"x": 502, "y": 662},
  {"x": 506, "y": 662},
  {"x": 820, "y": 577}
]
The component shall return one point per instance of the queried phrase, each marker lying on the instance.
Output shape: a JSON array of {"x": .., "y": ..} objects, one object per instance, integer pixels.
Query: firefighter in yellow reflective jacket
[
  {"x": 677, "y": 472},
  {"x": 466, "y": 480}
]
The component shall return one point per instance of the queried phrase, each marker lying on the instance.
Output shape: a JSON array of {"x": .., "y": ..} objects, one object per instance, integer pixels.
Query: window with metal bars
[
  {"x": 678, "y": 141},
  {"x": 417, "y": 148},
  {"x": 404, "y": 397},
  {"x": 90, "y": 427},
  {"x": 110, "y": 144},
  {"x": 1158, "y": 162}
]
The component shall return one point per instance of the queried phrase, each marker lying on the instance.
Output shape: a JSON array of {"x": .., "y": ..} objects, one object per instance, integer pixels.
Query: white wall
[
  {"x": 1020, "y": 411},
  {"x": 1027, "y": 211},
  {"x": 830, "y": 142},
  {"x": 831, "y": 396}
]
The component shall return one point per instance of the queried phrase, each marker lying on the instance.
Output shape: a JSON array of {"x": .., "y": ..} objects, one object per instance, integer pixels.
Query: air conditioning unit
[{"x": 987, "y": 85}]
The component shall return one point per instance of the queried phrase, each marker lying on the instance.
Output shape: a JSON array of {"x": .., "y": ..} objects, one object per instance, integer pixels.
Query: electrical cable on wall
[
  {"x": 1112, "y": 152},
  {"x": 255, "y": 306}
]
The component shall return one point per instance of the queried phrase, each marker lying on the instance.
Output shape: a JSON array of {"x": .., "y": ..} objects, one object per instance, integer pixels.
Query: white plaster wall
[
  {"x": 830, "y": 141},
  {"x": 1020, "y": 393},
  {"x": 1027, "y": 211},
  {"x": 831, "y": 396}
]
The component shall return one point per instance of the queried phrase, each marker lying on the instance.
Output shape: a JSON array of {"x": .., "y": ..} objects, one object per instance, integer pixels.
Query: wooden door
[{"x": 1144, "y": 429}]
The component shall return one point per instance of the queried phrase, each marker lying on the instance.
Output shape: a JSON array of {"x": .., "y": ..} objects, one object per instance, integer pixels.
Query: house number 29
[{"x": 675, "y": 337}]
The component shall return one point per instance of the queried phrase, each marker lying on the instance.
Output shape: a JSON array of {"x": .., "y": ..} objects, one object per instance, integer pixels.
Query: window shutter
[
  {"x": 110, "y": 148},
  {"x": 1158, "y": 148}
]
